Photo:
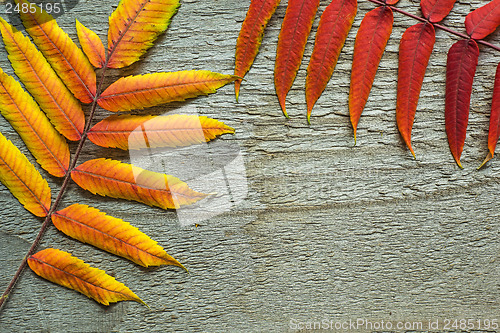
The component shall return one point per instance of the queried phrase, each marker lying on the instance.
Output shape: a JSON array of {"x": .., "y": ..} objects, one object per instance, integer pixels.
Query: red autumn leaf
[
  {"x": 484, "y": 20},
  {"x": 61, "y": 52},
  {"x": 415, "y": 50},
  {"x": 391, "y": 2},
  {"x": 142, "y": 91},
  {"x": 292, "y": 40},
  {"x": 91, "y": 45},
  {"x": 494, "y": 131},
  {"x": 371, "y": 39},
  {"x": 125, "y": 181},
  {"x": 335, "y": 23},
  {"x": 436, "y": 10},
  {"x": 62, "y": 268},
  {"x": 62, "y": 108},
  {"x": 250, "y": 37},
  {"x": 136, "y": 132},
  {"x": 91, "y": 226},
  {"x": 460, "y": 70},
  {"x": 134, "y": 26}
]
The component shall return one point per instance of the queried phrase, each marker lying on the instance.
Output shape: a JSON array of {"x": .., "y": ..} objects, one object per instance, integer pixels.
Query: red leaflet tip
[
  {"x": 489, "y": 157},
  {"x": 408, "y": 144},
  {"x": 458, "y": 163},
  {"x": 283, "y": 107},
  {"x": 413, "y": 153},
  {"x": 354, "y": 123},
  {"x": 237, "y": 85},
  {"x": 309, "y": 111}
]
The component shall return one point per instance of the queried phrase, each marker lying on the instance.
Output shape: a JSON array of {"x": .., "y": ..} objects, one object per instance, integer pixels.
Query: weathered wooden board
[{"x": 326, "y": 231}]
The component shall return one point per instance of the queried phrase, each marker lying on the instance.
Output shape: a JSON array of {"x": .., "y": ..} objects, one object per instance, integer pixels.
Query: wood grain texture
[{"x": 327, "y": 230}]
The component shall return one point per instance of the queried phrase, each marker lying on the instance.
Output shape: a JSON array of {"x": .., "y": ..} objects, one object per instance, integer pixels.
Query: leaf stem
[
  {"x": 436, "y": 25},
  {"x": 67, "y": 177}
]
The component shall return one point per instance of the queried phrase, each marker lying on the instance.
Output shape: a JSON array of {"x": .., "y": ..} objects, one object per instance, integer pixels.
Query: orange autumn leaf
[
  {"x": 134, "y": 26},
  {"x": 135, "y": 132},
  {"x": 62, "y": 268},
  {"x": 61, "y": 52},
  {"x": 91, "y": 45},
  {"x": 142, "y": 91},
  {"x": 44, "y": 142},
  {"x": 42, "y": 82},
  {"x": 250, "y": 37},
  {"x": 22, "y": 179},
  {"x": 91, "y": 226},
  {"x": 125, "y": 181}
]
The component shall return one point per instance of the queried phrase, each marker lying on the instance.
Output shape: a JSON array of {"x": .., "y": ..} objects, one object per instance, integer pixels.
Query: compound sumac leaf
[
  {"x": 142, "y": 91},
  {"x": 125, "y": 181},
  {"x": 250, "y": 37},
  {"x": 292, "y": 40},
  {"x": 415, "y": 50},
  {"x": 371, "y": 39},
  {"x": 91, "y": 45},
  {"x": 48, "y": 147},
  {"x": 460, "y": 70},
  {"x": 61, "y": 52},
  {"x": 436, "y": 10},
  {"x": 137, "y": 132},
  {"x": 62, "y": 268},
  {"x": 62, "y": 108},
  {"x": 90, "y": 225},
  {"x": 334, "y": 25},
  {"x": 134, "y": 26},
  {"x": 23, "y": 180},
  {"x": 484, "y": 20}
]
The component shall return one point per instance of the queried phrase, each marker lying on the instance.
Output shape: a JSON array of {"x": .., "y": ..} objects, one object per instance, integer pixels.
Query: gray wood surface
[{"x": 326, "y": 231}]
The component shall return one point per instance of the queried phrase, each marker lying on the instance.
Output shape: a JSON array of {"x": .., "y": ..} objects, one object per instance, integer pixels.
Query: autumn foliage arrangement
[
  {"x": 374, "y": 32},
  {"x": 59, "y": 77}
]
